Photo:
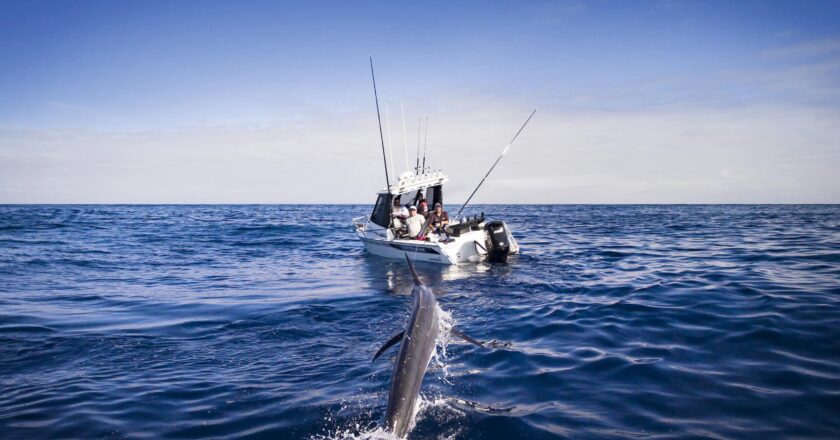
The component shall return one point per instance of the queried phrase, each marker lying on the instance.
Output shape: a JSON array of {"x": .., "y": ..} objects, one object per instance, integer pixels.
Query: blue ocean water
[{"x": 260, "y": 322}]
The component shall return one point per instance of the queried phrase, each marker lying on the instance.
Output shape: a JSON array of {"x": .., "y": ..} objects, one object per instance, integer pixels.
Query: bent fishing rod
[{"x": 494, "y": 164}]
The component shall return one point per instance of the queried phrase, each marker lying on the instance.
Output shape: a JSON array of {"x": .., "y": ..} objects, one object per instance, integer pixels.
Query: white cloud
[
  {"x": 765, "y": 135},
  {"x": 747, "y": 154},
  {"x": 810, "y": 48}
]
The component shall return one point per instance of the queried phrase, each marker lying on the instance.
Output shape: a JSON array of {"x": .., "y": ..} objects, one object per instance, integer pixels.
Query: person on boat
[
  {"x": 403, "y": 210},
  {"x": 399, "y": 211},
  {"x": 398, "y": 215},
  {"x": 439, "y": 219},
  {"x": 423, "y": 208},
  {"x": 414, "y": 222}
]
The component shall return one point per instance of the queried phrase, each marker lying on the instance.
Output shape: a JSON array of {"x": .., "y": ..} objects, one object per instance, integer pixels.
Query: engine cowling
[{"x": 499, "y": 241}]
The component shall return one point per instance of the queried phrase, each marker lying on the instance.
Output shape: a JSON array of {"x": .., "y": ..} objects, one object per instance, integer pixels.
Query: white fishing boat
[
  {"x": 385, "y": 232},
  {"x": 469, "y": 239}
]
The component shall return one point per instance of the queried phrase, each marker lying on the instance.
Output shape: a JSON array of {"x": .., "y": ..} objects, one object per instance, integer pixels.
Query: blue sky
[{"x": 638, "y": 102}]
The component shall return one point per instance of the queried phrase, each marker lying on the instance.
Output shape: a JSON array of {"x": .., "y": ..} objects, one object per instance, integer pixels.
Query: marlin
[{"x": 418, "y": 342}]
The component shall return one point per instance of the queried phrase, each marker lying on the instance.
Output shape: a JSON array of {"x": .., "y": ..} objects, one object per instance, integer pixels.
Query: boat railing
[{"x": 360, "y": 222}]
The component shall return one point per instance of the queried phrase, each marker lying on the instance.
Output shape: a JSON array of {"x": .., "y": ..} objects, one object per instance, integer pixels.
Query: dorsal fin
[{"x": 413, "y": 272}]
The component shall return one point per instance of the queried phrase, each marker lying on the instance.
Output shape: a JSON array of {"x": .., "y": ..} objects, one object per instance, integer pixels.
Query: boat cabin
[{"x": 409, "y": 189}]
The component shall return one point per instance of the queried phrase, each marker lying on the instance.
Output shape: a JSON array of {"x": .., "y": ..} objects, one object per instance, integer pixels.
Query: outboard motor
[{"x": 499, "y": 241}]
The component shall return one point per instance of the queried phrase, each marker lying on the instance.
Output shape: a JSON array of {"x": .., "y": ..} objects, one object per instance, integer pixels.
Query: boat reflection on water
[{"x": 394, "y": 276}]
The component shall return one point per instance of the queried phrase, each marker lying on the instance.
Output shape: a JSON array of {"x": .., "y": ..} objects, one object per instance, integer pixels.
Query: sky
[{"x": 271, "y": 102}]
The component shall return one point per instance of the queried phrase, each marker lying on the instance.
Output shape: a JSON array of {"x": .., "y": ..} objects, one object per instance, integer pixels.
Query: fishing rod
[
  {"x": 417, "y": 165},
  {"x": 425, "y": 144},
  {"x": 405, "y": 135},
  {"x": 390, "y": 142},
  {"x": 379, "y": 119},
  {"x": 494, "y": 164}
]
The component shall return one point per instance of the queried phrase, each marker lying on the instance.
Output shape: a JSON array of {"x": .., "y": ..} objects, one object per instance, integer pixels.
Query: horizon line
[{"x": 475, "y": 204}]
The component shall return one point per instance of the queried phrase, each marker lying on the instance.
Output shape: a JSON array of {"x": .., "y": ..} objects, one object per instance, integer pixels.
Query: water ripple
[{"x": 260, "y": 322}]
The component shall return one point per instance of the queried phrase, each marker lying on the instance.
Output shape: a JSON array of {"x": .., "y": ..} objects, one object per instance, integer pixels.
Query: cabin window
[
  {"x": 408, "y": 198},
  {"x": 434, "y": 194},
  {"x": 381, "y": 214}
]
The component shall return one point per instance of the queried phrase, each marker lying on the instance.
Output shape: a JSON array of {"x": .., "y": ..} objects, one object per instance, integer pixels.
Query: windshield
[{"x": 381, "y": 214}]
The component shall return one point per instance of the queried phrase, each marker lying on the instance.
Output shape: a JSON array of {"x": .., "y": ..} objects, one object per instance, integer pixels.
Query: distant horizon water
[{"x": 450, "y": 205}]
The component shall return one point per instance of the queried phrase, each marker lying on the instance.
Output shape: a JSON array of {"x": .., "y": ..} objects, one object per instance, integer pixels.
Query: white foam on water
[
  {"x": 358, "y": 432},
  {"x": 438, "y": 408},
  {"x": 426, "y": 406},
  {"x": 358, "y": 427},
  {"x": 445, "y": 323}
]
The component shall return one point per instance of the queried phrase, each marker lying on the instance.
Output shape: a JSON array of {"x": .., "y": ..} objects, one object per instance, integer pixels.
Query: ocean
[{"x": 615, "y": 322}]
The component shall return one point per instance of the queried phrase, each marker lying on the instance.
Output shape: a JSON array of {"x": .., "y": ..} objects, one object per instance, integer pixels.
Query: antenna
[
  {"x": 379, "y": 119},
  {"x": 495, "y": 163},
  {"x": 390, "y": 142},
  {"x": 405, "y": 136},
  {"x": 425, "y": 143},
  {"x": 417, "y": 165}
]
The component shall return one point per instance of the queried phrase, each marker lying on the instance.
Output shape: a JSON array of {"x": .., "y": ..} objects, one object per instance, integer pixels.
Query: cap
[
  {"x": 412, "y": 208},
  {"x": 438, "y": 204}
]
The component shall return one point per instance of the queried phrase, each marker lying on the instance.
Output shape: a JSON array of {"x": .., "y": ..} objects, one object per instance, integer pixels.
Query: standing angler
[{"x": 418, "y": 343}]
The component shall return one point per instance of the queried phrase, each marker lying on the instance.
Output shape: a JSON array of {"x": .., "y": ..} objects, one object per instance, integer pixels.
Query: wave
[{"x": 261, "y": 321}]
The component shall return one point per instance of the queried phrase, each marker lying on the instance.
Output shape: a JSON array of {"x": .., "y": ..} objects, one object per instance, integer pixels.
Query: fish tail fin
[{"x": 413, "y": 272}]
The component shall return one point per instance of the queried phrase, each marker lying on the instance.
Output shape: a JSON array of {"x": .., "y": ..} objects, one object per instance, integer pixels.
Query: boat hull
[{"x": 461, "y": 250}]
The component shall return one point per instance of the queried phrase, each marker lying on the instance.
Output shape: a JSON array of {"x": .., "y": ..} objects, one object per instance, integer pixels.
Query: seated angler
[
  {"x": 414, "y": 222},
  {"x": 439, "y": 218},
  {"x": 398, "y": 216}
]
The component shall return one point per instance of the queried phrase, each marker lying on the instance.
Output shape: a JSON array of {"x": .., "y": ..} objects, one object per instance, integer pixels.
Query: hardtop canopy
[
  {"x": 408, "y": 189},
  {"x": 408, "y": 182}
]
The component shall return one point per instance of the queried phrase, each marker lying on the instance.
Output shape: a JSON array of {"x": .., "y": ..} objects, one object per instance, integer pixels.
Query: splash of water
[
  {"x": 425, "y": 406},
  {"x": 358, "y": 431},
  {"x": 445, "y": 324},
  {"x": 436, "y": 407}
]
